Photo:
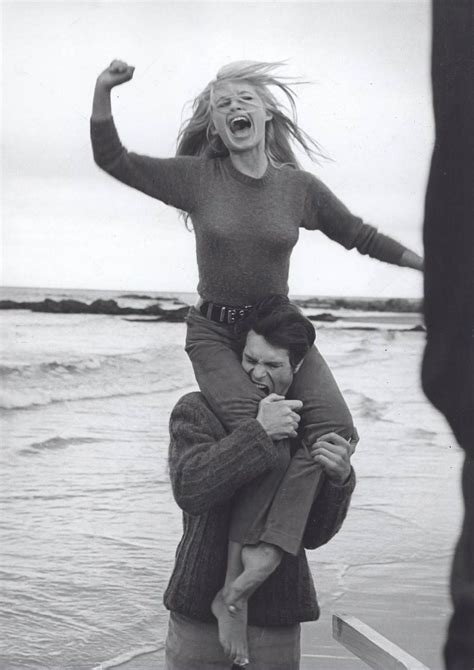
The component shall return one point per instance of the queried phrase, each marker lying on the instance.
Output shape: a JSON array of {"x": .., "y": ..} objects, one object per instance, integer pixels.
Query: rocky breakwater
[
  {"x": 109, "y": 307},
  {"x": 405, "y": 305}
]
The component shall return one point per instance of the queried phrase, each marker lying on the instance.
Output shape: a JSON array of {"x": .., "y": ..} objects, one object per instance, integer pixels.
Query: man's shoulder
[
  {"x": 194, "y": 399},
  {"x": 193, "y": 407}
]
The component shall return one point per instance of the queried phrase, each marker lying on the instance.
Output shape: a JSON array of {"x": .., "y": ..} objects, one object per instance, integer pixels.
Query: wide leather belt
[{"x": 223, "y": 313}]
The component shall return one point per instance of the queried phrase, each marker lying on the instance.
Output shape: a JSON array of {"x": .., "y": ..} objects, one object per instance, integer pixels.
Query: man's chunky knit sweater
[
  {"x": 207, "y": 467},
  {"x": 245, "y": 228}
]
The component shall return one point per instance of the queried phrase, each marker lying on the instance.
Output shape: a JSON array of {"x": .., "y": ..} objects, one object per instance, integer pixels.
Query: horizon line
[{"x": 139, "y": 290}]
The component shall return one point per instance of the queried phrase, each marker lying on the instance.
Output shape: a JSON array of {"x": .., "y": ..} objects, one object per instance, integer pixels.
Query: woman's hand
[
  {"x": 333, "y": 453},
  {"x": 411, "y": 260},
  {"x": 117, "y": 73}
]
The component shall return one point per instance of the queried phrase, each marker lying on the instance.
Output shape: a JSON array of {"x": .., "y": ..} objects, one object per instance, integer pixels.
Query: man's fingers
[
  {"x": 335, "y": 456},
  {"x": 333, "y": 438},
  {"x": 291, "y": 404},
  {"x": 338, "y": 449},
  {"x": 337, "y": 471},
  {"x": 294, "y": 404},
  {"x": 324, "y": 460},
  {"x": 273, "y": 397}
]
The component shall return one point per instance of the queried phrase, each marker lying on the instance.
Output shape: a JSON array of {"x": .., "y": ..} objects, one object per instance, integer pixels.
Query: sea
[{"x": 88, "y": 523}]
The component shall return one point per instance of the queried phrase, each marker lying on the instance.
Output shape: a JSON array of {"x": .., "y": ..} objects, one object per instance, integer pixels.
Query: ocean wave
[
  {"x": 76, "y": 365},
  {"x": 29, "y": 399},
  {"x": 68, "y": 365},
  {"x": 364, "y": 406},
  {"x": 128, "y": 656},
  {"x": 55, "y": 443},
  {"x": 93, "y": 376}
]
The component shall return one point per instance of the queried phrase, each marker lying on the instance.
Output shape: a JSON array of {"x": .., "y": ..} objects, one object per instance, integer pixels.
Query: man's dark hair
[{"x": 282, "y": 324}]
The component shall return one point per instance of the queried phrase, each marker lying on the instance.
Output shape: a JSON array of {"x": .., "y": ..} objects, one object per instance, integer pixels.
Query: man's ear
[
  {"x": 297, "y": 367},
  {"x": 268, "y": 115}
]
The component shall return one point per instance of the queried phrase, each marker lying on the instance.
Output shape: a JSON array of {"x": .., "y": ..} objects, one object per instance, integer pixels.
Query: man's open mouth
[
  {"x": 262, "y": 387},
  {"x": 239, "y": 124}
]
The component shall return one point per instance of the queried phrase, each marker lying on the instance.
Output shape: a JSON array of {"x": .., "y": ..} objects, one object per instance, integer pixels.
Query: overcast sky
[{"x": 67, "y": 224}]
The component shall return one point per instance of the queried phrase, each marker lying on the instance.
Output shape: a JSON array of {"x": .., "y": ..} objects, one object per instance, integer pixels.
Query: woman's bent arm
[
  {"x": 117, "y": 73},
  {"x": 174, "y": 181}
]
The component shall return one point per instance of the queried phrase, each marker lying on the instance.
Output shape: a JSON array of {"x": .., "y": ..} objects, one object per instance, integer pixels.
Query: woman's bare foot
[{"x": 232, "y": 623}]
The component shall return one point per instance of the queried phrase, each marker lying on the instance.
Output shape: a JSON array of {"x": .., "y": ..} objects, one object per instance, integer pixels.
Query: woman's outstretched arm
[{"x": 325, "y": 212}]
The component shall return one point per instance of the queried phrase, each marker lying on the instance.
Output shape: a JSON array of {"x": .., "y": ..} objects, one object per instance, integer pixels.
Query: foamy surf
[
  {"x": 127, "y": 657},
  {"x": 88, "y": 514}
]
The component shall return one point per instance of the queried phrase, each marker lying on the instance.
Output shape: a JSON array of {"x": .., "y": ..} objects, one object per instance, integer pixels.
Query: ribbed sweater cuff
[
  {"x": 387, "y": 249},
  {"x": 338, "y": 493}
]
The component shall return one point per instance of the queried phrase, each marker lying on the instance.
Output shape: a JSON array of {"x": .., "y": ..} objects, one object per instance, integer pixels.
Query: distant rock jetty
[
  {"x": 97, "y": 307},
  {"x": 155, "y": 312},
  {"x": 364, "y": 304}
]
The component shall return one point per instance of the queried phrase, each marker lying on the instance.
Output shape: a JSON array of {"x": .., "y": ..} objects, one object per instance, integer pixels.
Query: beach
[{"x": 89, "y": 524}]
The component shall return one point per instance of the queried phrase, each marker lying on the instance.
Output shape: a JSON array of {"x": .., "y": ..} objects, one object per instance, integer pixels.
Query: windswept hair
[
  {"x": 282, "y": 324},
  {"x": 195, "y": 137}
]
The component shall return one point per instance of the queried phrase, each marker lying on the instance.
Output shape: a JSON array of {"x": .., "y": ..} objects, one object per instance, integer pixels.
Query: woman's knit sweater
[
  {"x": 207, "y": 467},
  {"x": 245, "y": 228}
]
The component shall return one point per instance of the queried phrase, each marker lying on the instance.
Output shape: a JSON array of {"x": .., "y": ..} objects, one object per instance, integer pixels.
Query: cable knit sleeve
[
  {"x": 174, "y": 181},
  {"x": 206, "y": 465},
  {"x": 328, "y": 512},
  {"x": 324, "y": 212}
]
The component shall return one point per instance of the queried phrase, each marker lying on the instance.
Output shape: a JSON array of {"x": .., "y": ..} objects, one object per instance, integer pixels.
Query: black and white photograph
[{"x": 236, "y": 335}]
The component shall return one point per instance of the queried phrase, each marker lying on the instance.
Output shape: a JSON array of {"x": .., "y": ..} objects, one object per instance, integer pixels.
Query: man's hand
[
  {"x": 278, "y": 416},
  {"x": 117, "y": 73},
  {"x": 333, "y": 453}
]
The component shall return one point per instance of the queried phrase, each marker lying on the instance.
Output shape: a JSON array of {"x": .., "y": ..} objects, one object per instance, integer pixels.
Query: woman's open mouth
[{"x": 240, "y": 126}]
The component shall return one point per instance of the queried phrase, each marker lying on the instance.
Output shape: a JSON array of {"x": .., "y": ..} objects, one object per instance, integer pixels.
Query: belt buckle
[{"x": 231, "y": 315}]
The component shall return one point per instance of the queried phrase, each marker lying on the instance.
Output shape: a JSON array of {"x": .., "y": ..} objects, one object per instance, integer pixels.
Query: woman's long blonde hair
[{"x": 196, "y": 139}]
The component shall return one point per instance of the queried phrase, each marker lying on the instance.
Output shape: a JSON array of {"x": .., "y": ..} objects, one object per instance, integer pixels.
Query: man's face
[{"x": 268, "y": 367}]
